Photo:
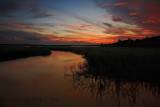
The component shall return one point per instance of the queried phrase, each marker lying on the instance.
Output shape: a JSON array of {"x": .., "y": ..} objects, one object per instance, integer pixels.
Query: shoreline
[{"x": 118, "y": 62}]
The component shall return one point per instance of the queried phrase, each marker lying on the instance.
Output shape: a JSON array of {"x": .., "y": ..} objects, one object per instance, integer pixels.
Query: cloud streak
[
  {"x": 20, "y": 37},
  {"x": 29, "y": 8},
  {"x": 20, "y": 26},
  {"x": 79, "y": 26},
  {"x": 121, "y": 4},
  {"x": 50, "y": 21},
  {"x": 116, "y": 19}
]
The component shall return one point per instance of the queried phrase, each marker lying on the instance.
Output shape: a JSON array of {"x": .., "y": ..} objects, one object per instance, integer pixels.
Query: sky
[{"x": 77, "y": 22}]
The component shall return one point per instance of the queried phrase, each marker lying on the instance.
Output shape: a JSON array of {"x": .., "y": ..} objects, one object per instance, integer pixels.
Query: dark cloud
[
  {"x": 125, "y": 37},
  {"x": 114, "y": 31},
  {"x": 9, "y": 36},
  {"x": 47, "y": 24},
  {"x": 29, "y": 8},
  {"x": 107, "y": 24},
  {"x": 42, "y": 15},
  {"x": 116, "y": 19},
  {"x": 38, "y": 12},
  {"x": 20, "y": 26},
  {"x": 7, "y": 7},
  {"x": 40, "y": 27},
  {"x": 20, "y": 37}
]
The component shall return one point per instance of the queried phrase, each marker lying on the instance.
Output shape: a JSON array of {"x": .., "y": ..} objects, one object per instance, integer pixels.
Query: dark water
[{"x": 55, "y": 81}]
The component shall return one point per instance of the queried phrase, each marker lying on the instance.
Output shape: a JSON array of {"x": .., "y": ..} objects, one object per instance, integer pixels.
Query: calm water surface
[{"x": 47, "y": 82}]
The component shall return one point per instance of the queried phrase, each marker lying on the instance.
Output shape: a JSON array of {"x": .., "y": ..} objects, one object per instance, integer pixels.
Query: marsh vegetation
[
  {"x": 10, "y": 52},
  {"x": 121, "y": 62},
  {"x": 109, "y": 76},
  {"x": 104, "y": 89}
]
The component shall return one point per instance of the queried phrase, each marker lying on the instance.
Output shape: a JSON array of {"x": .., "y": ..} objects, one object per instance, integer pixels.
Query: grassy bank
[
  {"x": 120, "y": 62},
  {"x": 8, "y": 52}
]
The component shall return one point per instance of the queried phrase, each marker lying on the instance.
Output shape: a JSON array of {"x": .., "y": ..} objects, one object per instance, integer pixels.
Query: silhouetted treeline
[
  {"x": 9, "y": 52},
  {"x": 146, "y": 42}
]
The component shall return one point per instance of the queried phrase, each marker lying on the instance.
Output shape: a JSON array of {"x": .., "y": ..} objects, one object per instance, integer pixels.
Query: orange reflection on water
[
  {"x": 44, "y": 82},
  {"x": 36, "y": 78}
]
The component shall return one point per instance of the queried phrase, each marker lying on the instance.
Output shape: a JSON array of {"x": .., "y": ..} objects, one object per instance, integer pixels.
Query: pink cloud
[
  {"x": 134, "y": 13},
  {"x": 120, "y": 4}
]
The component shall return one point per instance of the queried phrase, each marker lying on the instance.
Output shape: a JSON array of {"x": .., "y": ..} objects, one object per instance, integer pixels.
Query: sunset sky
[{"x": 77, "y": 22}]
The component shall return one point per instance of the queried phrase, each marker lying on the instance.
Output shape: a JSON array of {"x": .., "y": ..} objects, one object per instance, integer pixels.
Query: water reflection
[
  {"x": 103, "y": 89},
  {"x": 37, "y": 81},
  {"x": 40, "y": 82}
]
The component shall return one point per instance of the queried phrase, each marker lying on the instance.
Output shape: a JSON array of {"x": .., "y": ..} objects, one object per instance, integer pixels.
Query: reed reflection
[{"x": 103, "y": 88}]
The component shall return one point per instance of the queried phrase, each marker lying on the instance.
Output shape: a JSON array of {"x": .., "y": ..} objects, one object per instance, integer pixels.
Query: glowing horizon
[{"x": 77, "y": 22}]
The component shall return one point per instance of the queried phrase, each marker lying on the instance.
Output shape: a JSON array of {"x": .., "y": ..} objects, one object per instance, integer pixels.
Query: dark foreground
[
  {"x": 9, "y": 52},
  {"x": 120, "y": 62},
  {"x": 63, "y": 79},
  {"x": 116, "y": 62},
  {"x": 117, "y": 76}
]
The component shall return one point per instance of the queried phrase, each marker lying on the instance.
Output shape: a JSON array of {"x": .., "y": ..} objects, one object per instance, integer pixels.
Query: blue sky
[{"x": 77, "y": 22}]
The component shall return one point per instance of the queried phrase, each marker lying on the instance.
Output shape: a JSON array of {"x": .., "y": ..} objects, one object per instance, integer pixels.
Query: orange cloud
[
  {"x": 84, "y": 38},
  {"x": 108, "y": 36},
  {"x": 134, "y": 13},
  {"x": 91, "y": 37},
  {"x": 120, "y": 4},
  {"x": 87, "y": 34}
]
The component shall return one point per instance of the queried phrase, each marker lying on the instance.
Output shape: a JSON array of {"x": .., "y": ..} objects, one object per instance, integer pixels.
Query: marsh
[{"x": 64, "y": 79}]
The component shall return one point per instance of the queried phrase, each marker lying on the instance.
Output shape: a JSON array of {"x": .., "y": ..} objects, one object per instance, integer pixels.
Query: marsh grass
[
  {"x": 120, "y": 62},
  {"x": 104, "y": 88},
  {"x": 8, "y": 52}
]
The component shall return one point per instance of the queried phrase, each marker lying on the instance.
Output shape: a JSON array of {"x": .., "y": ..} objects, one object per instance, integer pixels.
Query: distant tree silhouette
[{"x": 145, "y": 42}]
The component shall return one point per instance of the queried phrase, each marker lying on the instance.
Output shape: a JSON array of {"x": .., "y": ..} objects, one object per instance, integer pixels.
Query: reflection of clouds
[{"x": 102, "y": 88}]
